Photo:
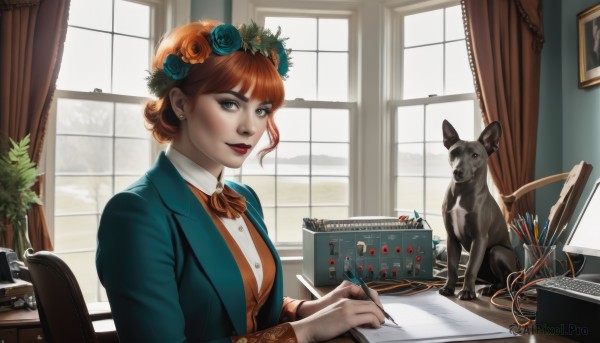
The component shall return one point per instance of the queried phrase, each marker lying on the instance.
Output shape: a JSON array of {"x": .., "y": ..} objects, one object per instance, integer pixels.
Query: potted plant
[{"x": 17, "y": 176}]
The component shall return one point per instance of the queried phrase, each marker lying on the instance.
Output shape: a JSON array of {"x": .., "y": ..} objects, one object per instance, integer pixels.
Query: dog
[{"x": 472, "y": 217}]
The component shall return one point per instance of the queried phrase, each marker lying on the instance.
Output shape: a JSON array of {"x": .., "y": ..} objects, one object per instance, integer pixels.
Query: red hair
[{"x": 216, "y": 74}]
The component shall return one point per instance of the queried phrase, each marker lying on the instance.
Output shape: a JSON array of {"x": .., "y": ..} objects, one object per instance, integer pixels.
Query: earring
[{"x": 180, "y": 117}]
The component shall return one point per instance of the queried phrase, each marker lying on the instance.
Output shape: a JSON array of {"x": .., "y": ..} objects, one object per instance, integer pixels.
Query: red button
[
  {"x": 418, "y": 258},
  {"x": 372, "y": 251},
  {"x": 360, "y": 267},
  {"x": 331, "y": 262},
  {"x": 370, "y": 268},
  {"x": 409, "y": 250},
  {"x": 397, "y": 250},
  {"x": 384, "y": 249}
]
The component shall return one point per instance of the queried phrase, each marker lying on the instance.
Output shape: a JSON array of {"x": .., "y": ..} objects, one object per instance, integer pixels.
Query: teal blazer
[{"x": 167, "y": 271}]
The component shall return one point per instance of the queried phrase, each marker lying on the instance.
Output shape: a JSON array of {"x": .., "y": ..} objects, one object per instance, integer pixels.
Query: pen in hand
[{"x": 358, "y": 281}]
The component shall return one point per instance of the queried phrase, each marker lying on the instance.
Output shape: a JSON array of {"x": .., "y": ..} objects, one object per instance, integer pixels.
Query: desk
[
  {"x": 23, "y": 326},
  {"x": 481, "y": 306}
]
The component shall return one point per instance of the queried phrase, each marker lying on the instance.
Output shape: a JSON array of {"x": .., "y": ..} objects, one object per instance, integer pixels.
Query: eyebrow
[{"x": 244, "y": 98}]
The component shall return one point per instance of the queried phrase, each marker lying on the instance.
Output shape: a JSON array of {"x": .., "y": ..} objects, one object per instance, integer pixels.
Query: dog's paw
[
  {"x": 466, "y": 294},
  {"x": 446, "y": 291}
]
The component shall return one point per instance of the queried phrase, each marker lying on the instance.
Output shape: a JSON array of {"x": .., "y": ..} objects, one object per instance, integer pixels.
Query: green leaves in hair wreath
[
  {"x": 258, "y": 39},
  {"x": 17, "y": 177}
]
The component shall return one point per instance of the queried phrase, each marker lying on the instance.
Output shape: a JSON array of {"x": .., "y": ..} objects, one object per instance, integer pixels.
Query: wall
[
  {"x": 580, "y": 107},
  {"x": 213, "y": 9}
]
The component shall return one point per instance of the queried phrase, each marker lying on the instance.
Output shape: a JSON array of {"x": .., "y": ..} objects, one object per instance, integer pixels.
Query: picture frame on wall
[{"x": 588, "y": 33}]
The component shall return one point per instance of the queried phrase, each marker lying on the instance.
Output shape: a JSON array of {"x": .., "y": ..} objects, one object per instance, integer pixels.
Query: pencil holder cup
[{"x": 540, "y": 261}]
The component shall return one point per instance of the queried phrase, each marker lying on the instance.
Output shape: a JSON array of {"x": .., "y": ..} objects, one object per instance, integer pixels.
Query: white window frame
[
  {"x": 397, "y": 65},
  {"x": 164, "y": 16},
  {"x": 246, "y": 10}
]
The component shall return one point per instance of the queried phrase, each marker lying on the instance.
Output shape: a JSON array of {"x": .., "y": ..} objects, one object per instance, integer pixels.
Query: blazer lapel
[
  {"x": 204, "y": 239},
  {"x": 252, "y": 211}
]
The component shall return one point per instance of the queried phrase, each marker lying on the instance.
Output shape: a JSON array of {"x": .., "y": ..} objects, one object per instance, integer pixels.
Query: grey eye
[{"x": 475, "y": 155}]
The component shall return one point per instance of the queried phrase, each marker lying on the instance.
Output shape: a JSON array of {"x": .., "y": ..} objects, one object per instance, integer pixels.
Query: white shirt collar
[{"x": 193, "y": 173}]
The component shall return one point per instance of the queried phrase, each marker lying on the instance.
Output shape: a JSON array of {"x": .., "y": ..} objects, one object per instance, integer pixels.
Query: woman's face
[{"x": 220, "y": 130}]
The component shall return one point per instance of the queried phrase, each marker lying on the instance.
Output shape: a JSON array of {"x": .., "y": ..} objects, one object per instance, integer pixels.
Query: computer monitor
[{"x": 585, "y": 235}]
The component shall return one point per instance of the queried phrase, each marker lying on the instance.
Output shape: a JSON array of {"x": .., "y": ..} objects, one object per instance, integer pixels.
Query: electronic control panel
[{"x": 369, "y": 254}]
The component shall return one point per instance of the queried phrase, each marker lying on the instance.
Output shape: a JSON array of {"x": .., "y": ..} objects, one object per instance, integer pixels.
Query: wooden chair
[
  {"x": 562, "y": 211},
  {"x": 63, "y": 312}
]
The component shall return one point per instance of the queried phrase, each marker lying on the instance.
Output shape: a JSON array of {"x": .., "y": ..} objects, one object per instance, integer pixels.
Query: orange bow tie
[{"x": 227, "y": 203}]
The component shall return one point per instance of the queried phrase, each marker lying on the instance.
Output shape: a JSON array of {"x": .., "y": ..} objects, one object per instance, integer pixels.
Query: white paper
[{"x": 430, "y": 317}]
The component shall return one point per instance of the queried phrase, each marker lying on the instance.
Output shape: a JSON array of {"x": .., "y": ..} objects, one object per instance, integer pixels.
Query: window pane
[
  {"x": 330, "y": 212},
  {"x": 293, "y": 158},
  {"x": 132, "y": 156},
  {"x": 132, "y": 19},
  {"x": 424, "y": 28},
  {"x": 75, "y": 232},
  {"x": 264, "y": 186},
  {"x": 423, "y": 71},
  {"x": 435, "y": 190},
  {"x": 84, "y": 117},
  {"x": 292, "y": 190},
  {"x": 459, "y": 78},
  {"x": 409, "y": 194},
  {"x": 302, "y": 81},
  {"x": 409, "y": 124},
  {"x": 252, "y": 165},
  {"x": 81, "y": 194},
  {"x": 289, "y": 224},
  {"x": 436, "y": 162},
  {"x": 333, "y": 76},
  {"x": 330, "y": 125},
  {"x": 458, "y": 113},
  {"x": 454, "y": 23},
  {"x": 129, "y": 121},
  {"x": 410, "y": 159},
  {"x": 131, "y": 63},
  {"x": 333, "y": 34},
  {"x": 302, "y": 32},
  {"x": 86, "y": 61},
  {"x": 85, "y": 155},
  {"x": 293, "y": 124},
  {"x": 330, "y": 190},
  {"x": 82, "y": 265},
  {"x": 95, "y": 14},
  {"x": 330, "y": 159},
  {"x": 122, "y": 182}
]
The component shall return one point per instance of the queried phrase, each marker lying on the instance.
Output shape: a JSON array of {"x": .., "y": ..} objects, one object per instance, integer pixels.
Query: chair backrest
[
  {"x": 562, "y": 211},
  {"x": 61, "y": 306}
]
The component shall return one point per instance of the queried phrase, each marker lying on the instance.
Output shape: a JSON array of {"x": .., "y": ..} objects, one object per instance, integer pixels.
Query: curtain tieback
[{"x": 227, "y": 203}]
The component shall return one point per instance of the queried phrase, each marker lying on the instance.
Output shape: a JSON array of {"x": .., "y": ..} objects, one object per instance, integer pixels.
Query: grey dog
[{"x": 472, "y": 217}]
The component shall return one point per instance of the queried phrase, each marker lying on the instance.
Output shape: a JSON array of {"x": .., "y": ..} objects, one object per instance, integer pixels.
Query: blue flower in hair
[
  {"x": 283, "y": 66},
  {"x": 225, "y": 39},
  {"x": 175, "y": 67}
]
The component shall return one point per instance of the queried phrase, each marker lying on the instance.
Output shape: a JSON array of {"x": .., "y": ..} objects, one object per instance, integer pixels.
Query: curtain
[
  {"x": 504, "y": 40},
  {"x": 32, "y": 35}
]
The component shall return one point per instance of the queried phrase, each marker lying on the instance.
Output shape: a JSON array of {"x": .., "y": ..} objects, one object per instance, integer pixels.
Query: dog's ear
[
  {"x": 450, "y": 134},
  {"x": 490, "y": 137}
]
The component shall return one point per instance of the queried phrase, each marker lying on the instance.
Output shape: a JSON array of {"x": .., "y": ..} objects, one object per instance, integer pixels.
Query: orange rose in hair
[{"x": 194, "y": 49}]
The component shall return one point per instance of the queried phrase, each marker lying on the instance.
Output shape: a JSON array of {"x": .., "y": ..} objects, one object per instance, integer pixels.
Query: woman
[{"x": 185, "y": 257}]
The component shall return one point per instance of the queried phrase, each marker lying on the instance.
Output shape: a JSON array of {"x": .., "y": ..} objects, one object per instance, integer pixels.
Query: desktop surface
[{"x": 480, "y": 306}]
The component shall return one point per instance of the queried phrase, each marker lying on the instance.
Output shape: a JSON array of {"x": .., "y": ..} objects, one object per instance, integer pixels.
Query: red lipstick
[{"x": 241, "y": 149}]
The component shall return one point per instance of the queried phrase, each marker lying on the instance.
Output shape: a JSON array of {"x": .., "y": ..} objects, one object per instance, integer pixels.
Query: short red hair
[{"x": 216, "y": 74}]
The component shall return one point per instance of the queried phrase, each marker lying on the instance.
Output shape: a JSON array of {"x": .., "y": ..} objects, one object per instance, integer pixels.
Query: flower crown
[{"x": 224, "y": 39}]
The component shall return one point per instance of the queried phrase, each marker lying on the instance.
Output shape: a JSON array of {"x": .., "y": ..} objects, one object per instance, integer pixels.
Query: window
[
  {"x": 309, "y": 174},
  {"x": 435, "y": 83},
  {"x": 97, "y": 143}
]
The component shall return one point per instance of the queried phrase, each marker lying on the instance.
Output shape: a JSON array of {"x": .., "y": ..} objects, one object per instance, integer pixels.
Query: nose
[
  {"x": 458, "y": 173},
  {"x": 248, "y": 124}
]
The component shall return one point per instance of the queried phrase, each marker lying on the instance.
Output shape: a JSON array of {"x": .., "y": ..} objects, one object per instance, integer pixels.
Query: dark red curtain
[
  {"x": 504, "y": 39},
  {"x": 32, "y": 35}
]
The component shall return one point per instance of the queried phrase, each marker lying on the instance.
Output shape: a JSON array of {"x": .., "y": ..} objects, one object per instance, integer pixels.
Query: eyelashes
[{"x": 233, "y": 105}]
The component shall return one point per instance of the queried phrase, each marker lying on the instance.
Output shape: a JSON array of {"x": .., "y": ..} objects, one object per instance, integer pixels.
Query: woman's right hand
[{"x": 336, "y": 319}]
